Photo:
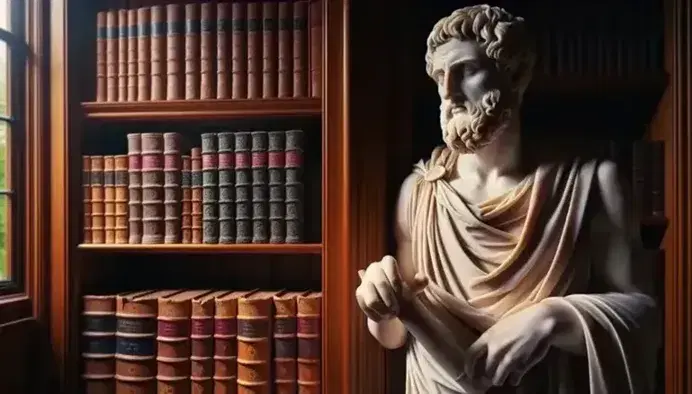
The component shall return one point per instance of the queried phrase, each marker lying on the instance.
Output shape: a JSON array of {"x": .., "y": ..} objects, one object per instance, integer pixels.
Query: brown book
[
  {"x": 172, "y": 167},
  {"x": 109, "y": 198},
  {"x": 210, "y": 186},
  {"x": 192, "y": 51},
  {"x": 101, "y": 37},
  {"x": 186, "y": 225},
  {"x": 86, "y": 196},
  {"x": 112, "y": 55},
  {"x": 196, "y": 212},
  {"x": 285, "y": 50},
  {"x": 158, "y": 52},
  {"x": 134, "y": 186},
  {"x": 98, "y": 349},
  {"x": 224, "y": 33},
  {"x": 98, "y": 235},
  {"x": 175, "y": 65},
  {"x": 239, "y": 66},
  {"x": 316, "y": 48},
  {"x": 255, "y": 317},
  {"x": 207, "y": 51},
  {"x": 132, "y": 55},
  {"x": 300, "y": 49},
  {"x": 143, "y": 54},
  {"x": 285, "y": 342},
  {"x": 202, "y": 342},
  {"x": 121, "y": 199},
  {"x": 173, "y": 341},
  {"x": 254, "y": 50},
  {"x": 153, "y": 195},
  {"x": 310, "y": 343},
  {"x": 270, "y": 15},
  {"x": 122, "y": 55}
]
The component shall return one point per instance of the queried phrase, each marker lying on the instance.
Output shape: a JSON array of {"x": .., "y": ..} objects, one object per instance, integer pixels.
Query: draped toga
[{"x": 487, "y": 260}]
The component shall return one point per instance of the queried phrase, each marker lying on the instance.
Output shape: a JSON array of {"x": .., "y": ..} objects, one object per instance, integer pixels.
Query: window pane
[
  {"x": 4, "y": 72},
  {"x": 5, "y": 14},
  {"x": 5, "y": 267}
]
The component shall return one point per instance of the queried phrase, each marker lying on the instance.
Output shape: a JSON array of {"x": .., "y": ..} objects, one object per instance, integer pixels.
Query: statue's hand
[{"x": 511, "y": 347}]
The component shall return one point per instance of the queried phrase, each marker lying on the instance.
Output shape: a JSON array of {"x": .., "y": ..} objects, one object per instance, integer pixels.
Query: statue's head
[{"x": 481, "y": 59}]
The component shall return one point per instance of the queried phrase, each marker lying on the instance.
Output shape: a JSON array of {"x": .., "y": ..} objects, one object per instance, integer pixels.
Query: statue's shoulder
[{"x": 441, "y": 156}]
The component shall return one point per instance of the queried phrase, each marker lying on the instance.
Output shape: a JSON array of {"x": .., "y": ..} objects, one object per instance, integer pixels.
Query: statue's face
[{"x": 474, "y": 95}]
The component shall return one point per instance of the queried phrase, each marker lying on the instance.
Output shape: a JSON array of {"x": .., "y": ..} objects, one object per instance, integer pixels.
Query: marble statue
[{"x": 509, "y": 278}]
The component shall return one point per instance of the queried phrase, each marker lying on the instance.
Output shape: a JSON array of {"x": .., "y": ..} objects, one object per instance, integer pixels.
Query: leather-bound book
[
  {"x": 202, "y": 342},
  {"x": 224, "y": 46},
  {"x": 300, "y": 49},
  {"x": 277, "y": 186},
  {"x": 270, "y": 57},
  {"x": 121, "y": 199},
  {"x": 134, "y": 186},
  {"x": 285, "y": 50},
  {"x": 158, "y": 52},
  {"x": 173, "y": 342},
  {"x": 175, "y": 64},
  {"x": 315, "y": 12},
  {"x": 135, "y": 347},
  {"x": 197, "y": 194},
  {"x": 186, "y": 225},
  {"x": 254, "y": 50},
  {"x": 172, "y": 167},
  {"x": 226, "y": 341},
  {"x": 310, "y": 343},
  {"x": 239, "y": 56},
  {"x": 286, "y": 342},
  {"x": 294, "y": 186},
  {"x": 98, "y": 235},
  {"x": 132, "y": 55},
  {"x": 207, "y": 51},
  {"x": 210, "y": 189},
  {"x": 112, "y": 55},
  {"x": 122, "y": 55},
  {"x": 153, "y": 208},
  {"x": 192, "y": 51},
  {"x": 226, "y": 188},
  {"x": 101, "y": 37},
  {"x": 260, "y": 188},
  {"x": 109, "y": 198},
  {"x": 143, "y": 54},
  {"x": 255, "y": 315},
  {"x": 243, "y": 188},
  {"x": 86, "y": 197},
  {"x": 98, "y": 350}
]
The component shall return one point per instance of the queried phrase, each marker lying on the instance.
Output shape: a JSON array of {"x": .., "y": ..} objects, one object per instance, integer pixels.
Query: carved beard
[{"x": 475, "y": 125}]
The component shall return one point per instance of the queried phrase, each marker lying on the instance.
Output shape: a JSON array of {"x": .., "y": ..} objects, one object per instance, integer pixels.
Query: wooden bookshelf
[
  {"x": 205, "y": 248},
  {"x": 202, "y": 109}
]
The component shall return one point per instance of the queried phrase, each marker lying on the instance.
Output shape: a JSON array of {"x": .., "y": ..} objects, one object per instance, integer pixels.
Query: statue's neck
[{"x": 502, "y": 157}]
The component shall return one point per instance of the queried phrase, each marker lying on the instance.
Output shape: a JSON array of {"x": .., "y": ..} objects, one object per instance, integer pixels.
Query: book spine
[
  {"x": 202, "y": 346},
  {"x": 239, "y": 83},
  {"x": 86, "y": 197},
  {"x": 254, "y": 345},
  {"x": 243, "y": 188},
  {"x": 98, "y": 353},
  {"x": 269, "y": 49},
  {"x": 122, "y": 55},
  {"x": 135, "y": 348},
  {"x": 134, "y": 186},
  {"x": 210, "y": 186},
  {"x": 277, "y": 186},
  {"x": 98, "y": 235},
  {"x": 260, "y": 188},
  {"x": 101, "y": 38},
  {"x": 132, "y": 79},
  {"x": 192, "y": 51},
  {"x": 285, "y": 50},
  {"x": 143, "y": 54},
  {"x": 175, "y": 71},
  {"x": 285, "y": 346},
  {"x": 294, "y": 186},
  {"x": 109, "y": 199},
  {"x": 112, "y": 55},
  {"x": 254, "y": 50},
  {"x": 224, "y": 45},
  {"x": 225, "y": 345},
  {"x": 121, "y": 198},
  {"x": 158, "y": 53},
  {"x": 172, "y": 187},
  {"x": 226, "y": 188},
  {"x": 316, "y": 48},
  {"x": 207, "y": 62},
  {"x": 173, "y": 346},
  {"x": 186, "y": 225},
  {"x": 153, "y": 215},
  {"x": 197, "y": 194},
  {"x": 309, "y": 343},
  {"x": 300, "y": 49}
]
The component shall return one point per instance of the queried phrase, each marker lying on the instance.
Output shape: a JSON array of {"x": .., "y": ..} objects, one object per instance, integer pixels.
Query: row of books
[
  {"x": 210, "y": 50},
  {"x": 202, "y": 341},
  {"x": 238, "y": 187}
]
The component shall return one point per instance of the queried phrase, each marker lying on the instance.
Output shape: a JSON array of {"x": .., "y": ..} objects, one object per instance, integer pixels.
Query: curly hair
[{"x": 503, "y": 36}]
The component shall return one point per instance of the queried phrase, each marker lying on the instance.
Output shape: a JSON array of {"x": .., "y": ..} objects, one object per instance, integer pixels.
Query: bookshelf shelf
[
  {"x": 206, "y": 248},
  {"x": 202, "y": 109}
]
